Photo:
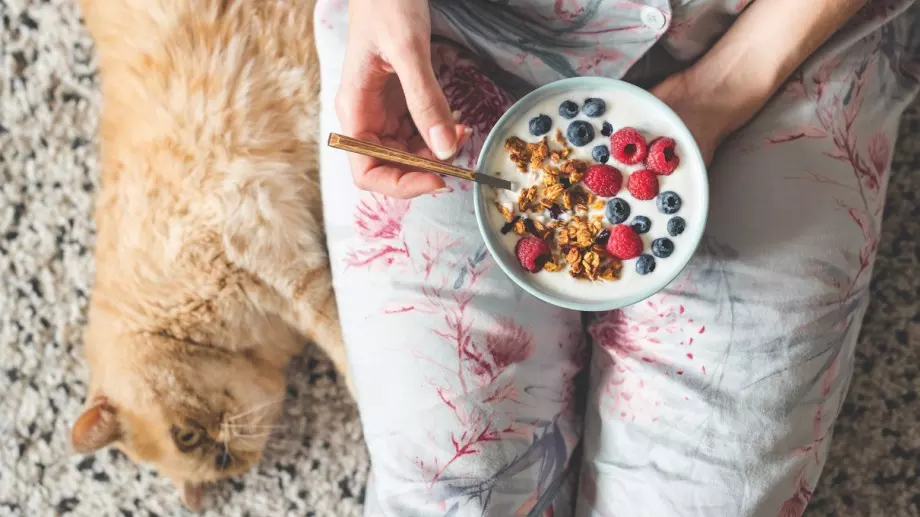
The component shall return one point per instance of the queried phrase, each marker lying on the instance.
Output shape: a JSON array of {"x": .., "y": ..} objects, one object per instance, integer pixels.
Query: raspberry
[
  {"x": 603, "y": 180},
  {"x": 628, "y": 146},
  {"x": 531, "y": 253},
  {"x": 624, "y": 243},
  {"x": 642, "y": 185},
  {"x": 661, "y": 158}
]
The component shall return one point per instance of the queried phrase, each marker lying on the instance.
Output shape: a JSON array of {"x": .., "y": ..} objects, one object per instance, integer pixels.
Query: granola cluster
[{"x": 575, "y": 238}]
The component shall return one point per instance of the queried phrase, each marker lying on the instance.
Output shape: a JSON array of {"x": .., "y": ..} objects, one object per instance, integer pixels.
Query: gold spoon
[{"x": 381, "y": 152}]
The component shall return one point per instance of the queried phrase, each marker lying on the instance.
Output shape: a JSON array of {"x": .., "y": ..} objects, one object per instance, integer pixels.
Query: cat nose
[{"x": 223, "y": 460}]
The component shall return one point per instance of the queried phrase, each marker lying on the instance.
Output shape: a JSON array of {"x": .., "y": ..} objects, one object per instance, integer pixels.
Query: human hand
[
  {"x": 702, "y": 114},
  {"x": 731, "y": 82},
  {"x": 389, "y": 95}
]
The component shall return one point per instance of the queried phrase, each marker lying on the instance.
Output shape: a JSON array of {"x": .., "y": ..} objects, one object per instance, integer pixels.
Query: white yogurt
[{"x": 624, "y": 109}]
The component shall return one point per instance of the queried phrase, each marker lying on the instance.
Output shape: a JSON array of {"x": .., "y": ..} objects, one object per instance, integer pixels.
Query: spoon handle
[{"x": 354, "y": 145}]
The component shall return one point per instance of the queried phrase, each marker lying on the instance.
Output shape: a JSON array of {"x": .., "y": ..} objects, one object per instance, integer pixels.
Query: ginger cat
[{"x": 210, "y": 262}]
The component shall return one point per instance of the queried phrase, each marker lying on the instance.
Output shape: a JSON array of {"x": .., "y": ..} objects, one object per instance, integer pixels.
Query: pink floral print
[
  {"x": 378, "y": 223},
  {"x": 635, "y": 339},
  {"x": 508, "y": 344},
  {"x": 474, "y": 96},
  {"x": 795, "y": 505},
  {"x": 568, "y": 10},
  {"x": 594, "y": 62},
  {"x": 475, "y": 386},
  {"x": 836, "y": 112},
  {"x": 668, "y": 374}
]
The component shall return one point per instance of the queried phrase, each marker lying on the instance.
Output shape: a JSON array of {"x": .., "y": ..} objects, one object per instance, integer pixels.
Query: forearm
[{"x": 767, "y": 43}]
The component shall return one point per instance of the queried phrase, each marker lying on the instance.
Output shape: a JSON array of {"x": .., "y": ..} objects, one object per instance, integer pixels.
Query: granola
[{"x": 572, "y": 237}]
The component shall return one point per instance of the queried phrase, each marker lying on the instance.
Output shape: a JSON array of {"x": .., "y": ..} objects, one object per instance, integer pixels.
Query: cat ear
[{"x": 95, "y": 428}]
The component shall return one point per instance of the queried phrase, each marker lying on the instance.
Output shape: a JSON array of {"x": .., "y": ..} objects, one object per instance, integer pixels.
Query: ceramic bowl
[{"x": 658, "y": 114}]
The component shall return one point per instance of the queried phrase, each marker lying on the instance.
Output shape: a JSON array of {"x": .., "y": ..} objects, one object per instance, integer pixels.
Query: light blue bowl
[{"x": 506, "y": 259}]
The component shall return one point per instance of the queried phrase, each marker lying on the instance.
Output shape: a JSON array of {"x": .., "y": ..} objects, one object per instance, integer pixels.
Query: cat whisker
[
  {"x": 255, "y": 426},
  {"x": 229, "y": 453},
  {"x": 286, "y": 440},
  {"x": 257, "y": 435},
  {"x": 260, "y": 407},
  {"x": 250, "y": 432}
]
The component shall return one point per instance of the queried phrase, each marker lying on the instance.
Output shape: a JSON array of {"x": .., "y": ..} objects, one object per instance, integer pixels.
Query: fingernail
[
  {"x": 456, "y": 115},
  {"x": 442, "y": 190},
  {"x": 442, "y": 139}
]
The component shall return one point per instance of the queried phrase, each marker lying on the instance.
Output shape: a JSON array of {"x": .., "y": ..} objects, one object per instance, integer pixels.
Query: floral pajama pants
[{"x": 715, "y": 397}]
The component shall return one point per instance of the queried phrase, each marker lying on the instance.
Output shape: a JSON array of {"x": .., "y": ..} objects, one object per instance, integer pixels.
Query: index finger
[
  {"x": 369, "y": 104},
  {"x": 390, "y": 179}
]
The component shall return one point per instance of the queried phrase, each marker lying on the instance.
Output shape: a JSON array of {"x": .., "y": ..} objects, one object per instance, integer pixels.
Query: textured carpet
[{"x": 48, "y": 174}]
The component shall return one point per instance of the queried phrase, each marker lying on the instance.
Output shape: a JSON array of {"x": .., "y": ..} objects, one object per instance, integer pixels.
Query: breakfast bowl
[{"x": 611, "y": 194}]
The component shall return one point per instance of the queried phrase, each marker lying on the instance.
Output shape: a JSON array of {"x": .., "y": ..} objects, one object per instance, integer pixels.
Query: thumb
[{"x": 426, "y": 103}]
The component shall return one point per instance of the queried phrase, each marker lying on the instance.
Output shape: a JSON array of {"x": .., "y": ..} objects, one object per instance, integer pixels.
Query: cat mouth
[
  {"x": 236, "y": 451},
  {"x": 224, "y": 463}
]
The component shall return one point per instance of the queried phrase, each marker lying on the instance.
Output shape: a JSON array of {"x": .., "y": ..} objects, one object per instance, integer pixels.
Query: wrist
[
  {"x": 732, "y": 88},
  {"x": 750, "y": 62}
]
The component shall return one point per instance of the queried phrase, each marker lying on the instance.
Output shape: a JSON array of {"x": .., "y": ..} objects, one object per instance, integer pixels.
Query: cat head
[{"x": 195, "y": 413}]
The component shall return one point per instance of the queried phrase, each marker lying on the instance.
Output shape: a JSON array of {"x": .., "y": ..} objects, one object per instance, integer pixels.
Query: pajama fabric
[{"x": 714, "y": 397}]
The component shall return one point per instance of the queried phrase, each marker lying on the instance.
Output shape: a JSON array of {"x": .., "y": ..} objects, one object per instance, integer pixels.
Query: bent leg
[
  {"x": 464, "y": 383},
  {"x": 718, "y": 395}
]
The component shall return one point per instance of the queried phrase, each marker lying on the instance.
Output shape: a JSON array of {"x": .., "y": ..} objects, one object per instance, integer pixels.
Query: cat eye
[{"x": 188, "y": 436}]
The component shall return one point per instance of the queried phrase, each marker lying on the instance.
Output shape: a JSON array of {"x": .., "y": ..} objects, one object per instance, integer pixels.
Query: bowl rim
[{"x": 490, "y": 237}]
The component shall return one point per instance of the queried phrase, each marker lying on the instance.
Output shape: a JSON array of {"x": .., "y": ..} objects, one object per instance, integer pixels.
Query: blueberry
[
  {"x": 507, "y": 227},
  {"x": 600, "y": 154},
  {"x": 594, "y": 107},
  {"x": 676, "y": 226},
  {"x": 645, "y": 264},
  {"x": 641, "y": 224},
  {"x": 668, "y": 202},
  {"x": 617, "y": 210},
  {"x": 529, "y": 227},
  {"x": 540, "y": 125},
  {"x": 606, "y": 129},
  {"x": 602, "y": 237},
  {"x": 663, "y": 247},
  {"x": 568, "y": 109},
  {"x": 580, "y": 133}
]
